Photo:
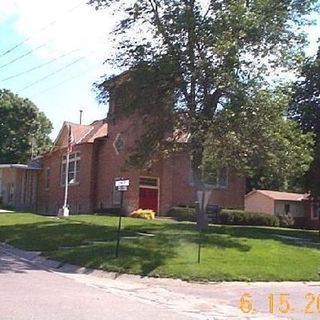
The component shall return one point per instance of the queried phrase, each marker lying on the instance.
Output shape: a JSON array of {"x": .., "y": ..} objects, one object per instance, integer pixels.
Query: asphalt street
[{"x": 34, "y": 288}]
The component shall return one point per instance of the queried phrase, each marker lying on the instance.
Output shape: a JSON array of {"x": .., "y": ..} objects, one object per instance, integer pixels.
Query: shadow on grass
[
  {"x": 214, "y": 233},
  {"x": 74, "y": 242},
  {"x": 133, "y": 257},
  {"x": 93, "y": 245}
]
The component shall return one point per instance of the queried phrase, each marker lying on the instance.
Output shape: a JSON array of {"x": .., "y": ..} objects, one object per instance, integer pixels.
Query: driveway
[{"x": 35, "y": 288}]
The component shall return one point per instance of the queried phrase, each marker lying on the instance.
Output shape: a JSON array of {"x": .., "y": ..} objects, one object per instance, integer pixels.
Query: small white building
[
  {"x": 18, "y": 186},
  {"x": 275, "y": 202}
]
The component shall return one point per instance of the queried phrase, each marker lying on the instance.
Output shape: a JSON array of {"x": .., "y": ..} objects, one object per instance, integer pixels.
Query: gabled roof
[
  {"x": 277, "y": 195},
  {"x": 18, "y": 166},
  {"x": 81, "y": 133}
]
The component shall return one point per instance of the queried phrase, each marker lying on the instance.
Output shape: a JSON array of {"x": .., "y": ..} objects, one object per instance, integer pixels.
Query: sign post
[
  {"x": 122, "y": 186},
  {"x": 202, "y": 221}
]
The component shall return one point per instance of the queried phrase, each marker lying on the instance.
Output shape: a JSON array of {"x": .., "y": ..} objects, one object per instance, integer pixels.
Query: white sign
[
  {"x": 120, "y": 183},
  {"x": 203, "y": 198},
  {"x": 122, "y": 188}
]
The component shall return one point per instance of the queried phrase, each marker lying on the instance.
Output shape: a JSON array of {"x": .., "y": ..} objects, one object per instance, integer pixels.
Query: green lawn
[{"x": 229, "y": 252}]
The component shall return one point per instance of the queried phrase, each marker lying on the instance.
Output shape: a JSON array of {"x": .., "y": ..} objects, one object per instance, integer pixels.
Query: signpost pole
[
  {"x": 119, "y": 225},
  {"x": 199, "y": 248},
  {"x": 201, "y": 226}
]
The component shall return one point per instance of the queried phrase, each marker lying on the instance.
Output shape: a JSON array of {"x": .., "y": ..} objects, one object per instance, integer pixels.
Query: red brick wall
[
  {"x": 111, "y": 165},
  {"x": 175, "y": 175},
  {"x": 178, "y": 188},
  {"x": 51, "y": 199},
  {"x": 100, "y": 165}
]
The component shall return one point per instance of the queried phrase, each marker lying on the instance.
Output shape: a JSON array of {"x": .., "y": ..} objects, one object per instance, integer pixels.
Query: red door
[{"x": 148, "y": 199}]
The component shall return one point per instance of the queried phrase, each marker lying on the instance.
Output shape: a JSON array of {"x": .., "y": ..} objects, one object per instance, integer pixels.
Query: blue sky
[{"x": 76, "y": 36}]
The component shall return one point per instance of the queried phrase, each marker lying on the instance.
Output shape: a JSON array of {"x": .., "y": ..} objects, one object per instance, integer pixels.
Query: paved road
[{"x": 33, "y": 288}]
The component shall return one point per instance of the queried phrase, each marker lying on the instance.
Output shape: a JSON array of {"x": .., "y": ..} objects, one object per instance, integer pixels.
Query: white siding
[{"x": 296, "y": 208}]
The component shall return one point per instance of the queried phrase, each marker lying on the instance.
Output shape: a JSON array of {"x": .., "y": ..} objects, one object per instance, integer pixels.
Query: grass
[{"x": 228, "y": 253}]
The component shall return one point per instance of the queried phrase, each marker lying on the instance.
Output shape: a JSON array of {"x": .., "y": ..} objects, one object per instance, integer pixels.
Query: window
[
  {"x": 287, "y": 208},
  {"x": 218, "y": 179},
  {"x": 11, "y": 192},
  {"x": 150, "y": 182},
  {"x": 315, "y": 211},
  {"x": 116, "y": 197},
  {"x": 74, "y": 168},
  {"x": 47, "y": 177}
]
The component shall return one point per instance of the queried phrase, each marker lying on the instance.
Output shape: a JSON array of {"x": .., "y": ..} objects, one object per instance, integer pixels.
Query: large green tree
[
  {"x": 188, "y": 59},
  {"x": 255, "y": 138},
  {"x": 24, "y": 130},
  {"x": 305, "y": 109}
]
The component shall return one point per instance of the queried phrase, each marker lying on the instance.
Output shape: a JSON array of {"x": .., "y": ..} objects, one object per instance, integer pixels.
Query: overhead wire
[
  {"x": 39, "y": 66},
  {"x": 40, "y": 30},
  {"x": 24, "y": 55},
  {"x": 43, "y": 64},
  {"x": 51, "y": 74},
  {"x": 62, "y": 82}
]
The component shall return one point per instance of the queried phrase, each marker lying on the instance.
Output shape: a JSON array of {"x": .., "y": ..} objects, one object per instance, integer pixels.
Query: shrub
[
  {"x": 228, "y": 216},
  {"x": 143, "y": 214},
  {"x": 285, "y": 220},
  {"x": 182, "y": 214},
  {"x": 241, "y": 217}
]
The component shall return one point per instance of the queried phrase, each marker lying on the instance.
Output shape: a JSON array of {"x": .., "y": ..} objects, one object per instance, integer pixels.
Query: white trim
[
  {"x": 76, "y": 158},
  {"x": 17, "y": 166},
  {"x": 118, "y": 136}
]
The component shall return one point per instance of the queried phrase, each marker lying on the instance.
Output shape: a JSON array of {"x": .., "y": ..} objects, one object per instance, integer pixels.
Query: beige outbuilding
[{"x": 275, "y": 202}]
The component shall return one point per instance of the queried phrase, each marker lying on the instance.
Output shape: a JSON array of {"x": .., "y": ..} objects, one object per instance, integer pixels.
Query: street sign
[
  {"x": 120, "y": 183},
  {"x": 212, "y": 212},
  {"x": 122, "y": 188}
]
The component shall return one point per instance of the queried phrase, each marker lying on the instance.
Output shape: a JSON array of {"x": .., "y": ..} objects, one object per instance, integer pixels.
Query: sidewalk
[{"x": 212, "y": 301}]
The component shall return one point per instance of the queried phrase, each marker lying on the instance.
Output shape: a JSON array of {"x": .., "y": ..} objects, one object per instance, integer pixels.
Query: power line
[
  {"x": 24, "y": 55},
  {"x": 39, "y": 66},
  {"x": 62, "y": 82},
  {"x": 40, "y": 30},
  {"x": 51, "y": 74}
]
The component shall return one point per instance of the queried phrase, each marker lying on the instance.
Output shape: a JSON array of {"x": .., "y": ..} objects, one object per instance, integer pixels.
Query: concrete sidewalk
[{"x": 271, "y": 300}]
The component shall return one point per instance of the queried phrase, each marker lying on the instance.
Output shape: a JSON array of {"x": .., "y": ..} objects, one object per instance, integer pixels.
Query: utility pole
[{"x": 81, "y": 116}]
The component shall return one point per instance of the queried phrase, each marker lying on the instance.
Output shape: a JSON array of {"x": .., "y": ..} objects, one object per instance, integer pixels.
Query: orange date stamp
[{"x": 281, "y": 304}]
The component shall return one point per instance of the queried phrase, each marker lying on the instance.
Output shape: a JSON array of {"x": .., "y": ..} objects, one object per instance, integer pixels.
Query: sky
[{"x": 65, "y": 44}]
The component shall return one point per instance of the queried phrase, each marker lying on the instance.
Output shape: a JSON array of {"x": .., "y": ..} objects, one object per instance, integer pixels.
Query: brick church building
[{"x": 99, "y": 158}]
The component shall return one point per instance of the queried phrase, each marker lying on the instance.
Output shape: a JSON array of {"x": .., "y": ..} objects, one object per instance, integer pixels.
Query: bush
[
  {"x": 241, "y": 217},
  {"x": 143, "y": 214},
  {"x": 228, "y": 216},
  {"x": 182, "y": 214},
  {"x": 285, "y": 220}
]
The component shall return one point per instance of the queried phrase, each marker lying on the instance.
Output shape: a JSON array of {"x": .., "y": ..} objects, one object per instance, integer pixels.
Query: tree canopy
[
  {"x": 24, "y": 130},
  {"x": 305, "y": 109},
  {"x": 191, "y": 59},
  {"x": 255, "y": 134}
]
